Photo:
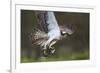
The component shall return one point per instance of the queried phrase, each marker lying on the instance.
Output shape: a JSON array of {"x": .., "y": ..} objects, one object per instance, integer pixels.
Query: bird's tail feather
[{"x": 38, "y": 37}]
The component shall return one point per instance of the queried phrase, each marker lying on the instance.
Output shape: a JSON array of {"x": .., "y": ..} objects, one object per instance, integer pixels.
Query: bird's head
[{"x": 65, "y": 31}]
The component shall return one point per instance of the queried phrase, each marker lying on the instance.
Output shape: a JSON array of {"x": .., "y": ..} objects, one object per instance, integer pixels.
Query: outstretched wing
[
  {"x": 49, "y": 28},
  {"x": 41, "y": 20},
  {"x": 39, "y": 34}
]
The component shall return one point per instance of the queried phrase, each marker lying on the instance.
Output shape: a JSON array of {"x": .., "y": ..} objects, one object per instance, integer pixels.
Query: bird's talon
[
  {"x": 45, "y": 53},
  {"x": 53, "y": 51}
]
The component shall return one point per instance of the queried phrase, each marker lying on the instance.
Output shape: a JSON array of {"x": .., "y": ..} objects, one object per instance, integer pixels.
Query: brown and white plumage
[
  {"x": 50, "y": 31},
  {"x": 38, "y": 37}
]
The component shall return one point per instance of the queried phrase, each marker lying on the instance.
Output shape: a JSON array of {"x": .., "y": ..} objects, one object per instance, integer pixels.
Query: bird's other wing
[{"x": 41, "y": 20}]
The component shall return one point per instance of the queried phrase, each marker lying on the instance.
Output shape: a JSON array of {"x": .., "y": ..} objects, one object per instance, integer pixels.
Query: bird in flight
[{"x": 50, "y": 31}]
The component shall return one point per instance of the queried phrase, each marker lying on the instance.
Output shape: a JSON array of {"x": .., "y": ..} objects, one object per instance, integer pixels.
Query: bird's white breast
[{"x": 53, "y": 27}]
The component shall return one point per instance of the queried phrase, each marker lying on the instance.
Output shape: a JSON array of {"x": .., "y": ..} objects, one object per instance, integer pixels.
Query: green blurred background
[{"x": 75, "y": 47}]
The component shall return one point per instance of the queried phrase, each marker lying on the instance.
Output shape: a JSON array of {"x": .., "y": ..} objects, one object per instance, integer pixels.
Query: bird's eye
[{"x": 63, "y": 33}]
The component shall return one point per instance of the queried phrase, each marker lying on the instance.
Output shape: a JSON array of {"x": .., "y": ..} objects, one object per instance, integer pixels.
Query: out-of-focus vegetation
[
  {"x": 75, "y": 47},
  {"x": 74, "y": 56}
]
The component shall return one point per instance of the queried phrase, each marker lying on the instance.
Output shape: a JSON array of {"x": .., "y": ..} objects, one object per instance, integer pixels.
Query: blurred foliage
[
  {"x": 75, "y": 47},
  {"x": 74, "y": 56}
]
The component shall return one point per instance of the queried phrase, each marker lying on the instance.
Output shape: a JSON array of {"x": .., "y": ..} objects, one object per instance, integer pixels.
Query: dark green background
[{"x": 75, "y": 47}]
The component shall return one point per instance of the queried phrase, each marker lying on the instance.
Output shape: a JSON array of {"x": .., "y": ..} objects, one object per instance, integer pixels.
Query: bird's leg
[
  {"x": 43, "y": 49},
  {"x": 46, "y": 45},
  {"x": 51, "y": 44}
]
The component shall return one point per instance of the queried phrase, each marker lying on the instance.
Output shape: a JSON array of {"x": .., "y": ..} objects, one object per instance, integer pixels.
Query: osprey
[{"x": 50, "y": 33}]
